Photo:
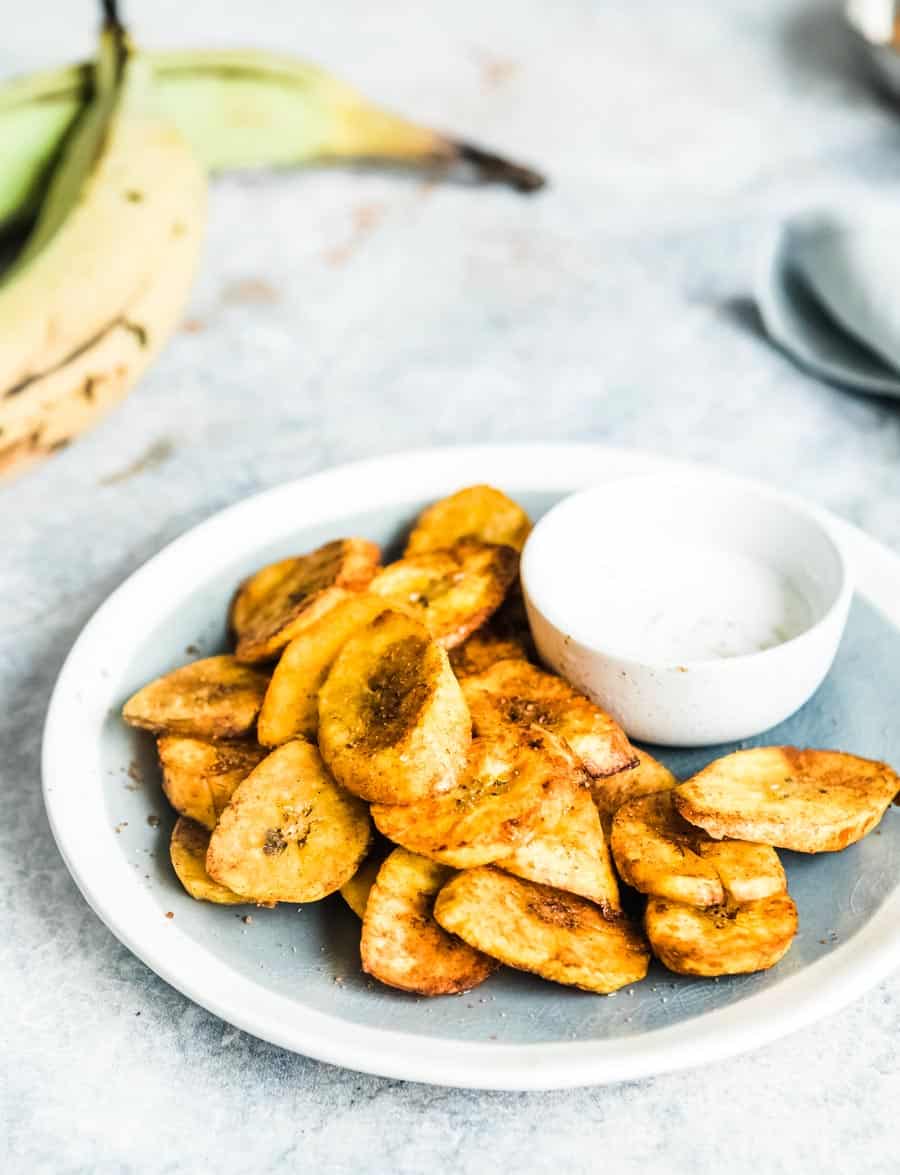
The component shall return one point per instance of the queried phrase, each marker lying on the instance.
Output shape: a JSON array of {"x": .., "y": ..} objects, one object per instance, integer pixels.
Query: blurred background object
[{"x": 877, "y": 26}]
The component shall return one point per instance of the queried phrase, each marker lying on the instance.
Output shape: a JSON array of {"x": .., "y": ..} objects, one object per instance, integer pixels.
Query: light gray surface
[{"x": 612, "y": 307}]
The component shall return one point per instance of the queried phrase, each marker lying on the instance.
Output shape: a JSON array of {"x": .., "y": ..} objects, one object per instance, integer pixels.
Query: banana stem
[
  {"x": 111, "y": 18},
  {"x": 495, "y": 169}
]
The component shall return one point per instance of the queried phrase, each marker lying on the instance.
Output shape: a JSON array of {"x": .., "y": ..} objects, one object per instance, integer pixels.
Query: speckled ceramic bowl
[{"x": 683, "y": 700}]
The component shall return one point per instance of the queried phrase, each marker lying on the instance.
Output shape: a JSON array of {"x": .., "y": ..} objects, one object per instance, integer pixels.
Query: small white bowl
[{"x": 694, "y": 607}]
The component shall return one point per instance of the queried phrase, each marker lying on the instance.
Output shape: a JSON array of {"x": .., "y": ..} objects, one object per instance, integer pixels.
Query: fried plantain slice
[
  {"x": 276, "y": 603},
  {"x": 571, "y": 855},
  {"x": 748, "y": 872},
  {"x": 559, "y": 936},
  {"x": 805, "y": 800},
  {"x": 393, "y": 724},
  {"x": 476, "y": 512},
  {"x": 355, "y": 892},
  {"x": 517, "y": 693},
  {"x": 187, "y": 851},
  {"x": 216, "y": 698},
  {"x": 647, "y": 776},
  {"x": 290, "y": 833},
  {"x": 511, "y": 788},
  {"x": 506, "y": 636},
  {"x": 199, "y": 777},
  {"x": 452, "y": 591},
  {"x": 291, "y": 704},
  {"x": 657, "y": 852},
  {"x": 723, "y": 940},
  {"x": 402, "y": 945}
]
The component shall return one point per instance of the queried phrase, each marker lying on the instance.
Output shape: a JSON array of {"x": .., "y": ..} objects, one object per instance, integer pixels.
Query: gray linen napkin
[{"x": 828, "y": 292}]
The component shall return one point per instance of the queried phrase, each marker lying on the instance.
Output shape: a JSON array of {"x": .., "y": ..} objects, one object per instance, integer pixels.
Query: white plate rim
[{"x": 115, "y": 894}]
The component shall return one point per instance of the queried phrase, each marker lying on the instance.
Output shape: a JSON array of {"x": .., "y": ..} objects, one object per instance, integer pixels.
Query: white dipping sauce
[{"x": 674, "y": 602}]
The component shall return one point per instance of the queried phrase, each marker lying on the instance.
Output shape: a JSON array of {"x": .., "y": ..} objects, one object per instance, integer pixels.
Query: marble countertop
[{"x": 340, "y": 315}]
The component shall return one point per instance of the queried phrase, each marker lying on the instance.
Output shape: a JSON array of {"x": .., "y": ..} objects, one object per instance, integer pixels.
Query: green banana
[
  {"x": 237, "y": 109},
  {"x": 103, "y": 278}
]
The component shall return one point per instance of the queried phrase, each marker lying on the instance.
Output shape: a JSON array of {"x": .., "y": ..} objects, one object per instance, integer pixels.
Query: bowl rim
[{"x": 836, "y": 610}]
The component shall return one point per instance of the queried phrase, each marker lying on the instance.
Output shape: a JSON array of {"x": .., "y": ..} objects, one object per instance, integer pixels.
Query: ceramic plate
[{"x": 293, "y": 976}]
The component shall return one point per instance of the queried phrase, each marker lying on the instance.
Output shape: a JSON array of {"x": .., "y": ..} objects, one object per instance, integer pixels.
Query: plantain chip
[
  {"x": 808, "y": 801},
  {"x": 355, "y": 892},
  {"x": 393, "y": 724},
  {"x": 199, "y": 777},
  {"x": 279, "y": 601},
  {"x": 216, "y": 698},
  {"x": 657, "y": 852},
  {"x": 647, "y": 776},
  {"x": 722, "y": 940},
  {"x": 748, "y": 872},
  {"x": 571, "y": 855},
  {"x": 402, "y": 945},
  {"x": 187, "y": 850},
  {"x": 517, "y": 693},
  {"x": 559, "y": 936},
  {"x": 511, "y": 788},
  {"x": 451, "y": 591},
  {"x": 291, "y": 705},
  {"x": 290, "y": 833},
  {"x": 504, "y": 637},
  {"x": 476, "y": 512}
]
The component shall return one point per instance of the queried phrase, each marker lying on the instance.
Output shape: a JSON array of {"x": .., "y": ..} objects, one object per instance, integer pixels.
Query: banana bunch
[{"x": 111, "y": 159}]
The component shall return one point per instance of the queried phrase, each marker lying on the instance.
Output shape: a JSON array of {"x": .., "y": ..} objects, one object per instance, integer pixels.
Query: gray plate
[{"x": 311, "y": 954}]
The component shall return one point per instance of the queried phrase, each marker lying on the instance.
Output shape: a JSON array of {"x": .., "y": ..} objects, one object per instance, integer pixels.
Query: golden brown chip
[
  {"x": 476, "y": 512},
  {"x": 216, "y": 698},
  {"x": 290, "y": 833},
  {"x": 532, "y": 927},
  {"x": 748, "y": 872},
  {"x": 721, "y": 940},
  {"x": 571, "y": 855},
  {"x": 402, "y": 945},
  {"x": 452, "y": 592},
  {"x": 647, "y": 776},
  {"x": 808, "y": 801},
  {"x": 659, "y": 853},
  {"x": 355, "y": 892},
  {"x": 291, "y": 705},
  {"x": 393, "y": 724},
  {"x": 274, "y": 605},
  {"x": 510, "y": 789},
  {"x": 517, "y": 693},
  {"x": 187, "y": 850},
  {"x": 504, "y": 637},
  {"x": 199, "y": 777}
]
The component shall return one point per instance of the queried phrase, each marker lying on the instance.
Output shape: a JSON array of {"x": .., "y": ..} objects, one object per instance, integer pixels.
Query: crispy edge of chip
[
  {"x": 291, "y": 705},
  {"x": 571, "y": 855},
  {"x": 735, "y": 939},
  {"x": 655, "y": 855},
  {"x": 246, "y": 689},
  {"x": 514, "y": 691},
  {"x": 432, "y": 752},
  {"x": 489, "y": 568},
  {"x": 187, "y": 852},
  {"x": 312, "y": 813},
  {"x": 461, "y": 842},
  {"x": 201, "y": 789},
  {"x": 612, "y": 791},
  {"x": 494, "y": 517},
  {"x": 784, "y": 823},
  {"x": 255, "y": 641},
  {"x": 542, "y": 930},
  {"x": 402, "y": 945}
]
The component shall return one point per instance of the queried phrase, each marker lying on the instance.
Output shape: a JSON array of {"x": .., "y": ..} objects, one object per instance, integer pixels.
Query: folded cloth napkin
[{"x": 829, "y": 295}]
